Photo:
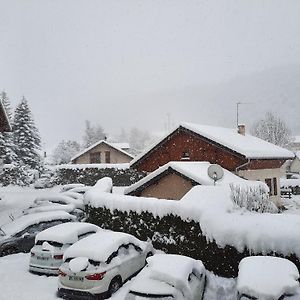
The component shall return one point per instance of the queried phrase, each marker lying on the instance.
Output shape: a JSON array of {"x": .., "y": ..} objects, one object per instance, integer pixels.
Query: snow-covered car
[
  {"x": 50, "y": 245},
  {"x": 99, "y": 264},
  {"x": 267, "y": 278},
  {"x": 43, "y": 182},
  {"x": 57, "y": 202},
  {"x": 169, "y": 277},
  {"x": 19, "y": 235},
  {"x": 81, "y": 190},
  {"x": 70, "y": 186}
]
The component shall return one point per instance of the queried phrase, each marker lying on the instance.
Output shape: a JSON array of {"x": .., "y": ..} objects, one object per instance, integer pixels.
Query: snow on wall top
[
  {"x": 122, "y": 166},
  {"x": 266, "y": 277},
  {"x": 196, "y": 171},
  {"x": 101, "y": 245},
  {"x": 66, "y": 233},
  {"x": 113, "y": 145},
  {"x": 24, "y": 221},
  {"x": 247, "y": 145},
  {"x": 212, "y": 207}
]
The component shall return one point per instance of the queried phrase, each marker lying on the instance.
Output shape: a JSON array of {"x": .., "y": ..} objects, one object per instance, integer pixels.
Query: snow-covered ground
[{"x": 18, "y": 283}]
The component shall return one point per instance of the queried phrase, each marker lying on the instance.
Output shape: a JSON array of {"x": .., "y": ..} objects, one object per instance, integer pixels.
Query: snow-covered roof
[
  {"x": 122, "y": 166},
  {"x": 164, "y": 272},
  {"x": 246, "y": 145},
  {"x": 265, "y": 277},
  {"x": 297, "y": 153},
  {"x": 66, "y": 233},
  {"x": 113, "y": 145},
  {"x": 196, "y": 171},
  {"x": 27, "y": 220},
  {"x": 212, "y": 207},
  {"x": 101, "y": 245}
]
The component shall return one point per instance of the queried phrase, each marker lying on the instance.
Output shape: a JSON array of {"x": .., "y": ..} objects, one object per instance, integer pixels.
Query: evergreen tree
[
  {"x": 6, "y": 103},
  {"x": 7, "y": 148},
  {"x": 26, "y": 136}
]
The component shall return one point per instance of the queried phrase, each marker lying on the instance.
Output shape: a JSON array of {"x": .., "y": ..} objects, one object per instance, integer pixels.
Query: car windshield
[
  {"x": 52, "y": 243},
  {"x": 140, "y": 296}
]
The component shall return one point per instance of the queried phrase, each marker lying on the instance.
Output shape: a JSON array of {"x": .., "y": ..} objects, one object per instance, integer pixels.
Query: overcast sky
[{"x": 131, "y": 62}]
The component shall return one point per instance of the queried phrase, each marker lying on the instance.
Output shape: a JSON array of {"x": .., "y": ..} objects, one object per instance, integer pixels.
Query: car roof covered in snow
[
  {"x": 101, "y": 245},
  {"x": 66, "y": 233},
  {"x": 23, "y": 222},
  {"x": 247, "y": 145},
  {"x": 266, "y": 277},
  {"x": 196, "y": 171},
  {"x": 164, "y": 272}
]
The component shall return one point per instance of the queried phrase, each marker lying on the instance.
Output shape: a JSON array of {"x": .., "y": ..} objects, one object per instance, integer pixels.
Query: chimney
[{"x": 242, "y": 129}]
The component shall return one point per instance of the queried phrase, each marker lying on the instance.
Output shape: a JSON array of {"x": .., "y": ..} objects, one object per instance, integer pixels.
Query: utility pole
[{"x": 237, "y": 111}]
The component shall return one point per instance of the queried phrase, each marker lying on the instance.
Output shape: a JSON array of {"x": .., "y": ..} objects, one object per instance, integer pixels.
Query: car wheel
[
  {"x": 115, "y": 284},
  {"x": 8, "y": 251}
]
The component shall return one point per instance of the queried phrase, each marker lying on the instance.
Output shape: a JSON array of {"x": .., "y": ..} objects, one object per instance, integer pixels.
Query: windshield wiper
[{"x": 2, "y": 231}]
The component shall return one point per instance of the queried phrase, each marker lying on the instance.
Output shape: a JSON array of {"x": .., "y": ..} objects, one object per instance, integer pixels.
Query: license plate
[
  {"x": 42, "y": 258},
  {"x": 75, "y": 278}
]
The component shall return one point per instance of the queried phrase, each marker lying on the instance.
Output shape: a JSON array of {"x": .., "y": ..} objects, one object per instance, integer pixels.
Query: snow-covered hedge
[
  {"x": 205, "y": 225},
  {"x": 89, "y": 174}
]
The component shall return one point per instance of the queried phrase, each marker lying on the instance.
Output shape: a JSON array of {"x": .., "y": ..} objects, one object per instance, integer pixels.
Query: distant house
[
  {"x": 4, "y": 122},
  {"x": 103, "y": 152},
  {"x": 295, "y": 145},
  {"x": 175, "y": 179},
  {"x": 244, "y": 155}
]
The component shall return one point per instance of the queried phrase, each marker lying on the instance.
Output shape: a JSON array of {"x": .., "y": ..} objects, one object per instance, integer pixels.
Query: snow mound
[
  {"x": 78, "y": 264},
  {"x": 266, "y": 277}
]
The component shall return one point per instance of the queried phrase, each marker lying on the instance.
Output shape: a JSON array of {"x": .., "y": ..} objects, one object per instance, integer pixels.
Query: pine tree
[
  {"x": 7, "y": 148},
  {"x": 26, "y": 136}
]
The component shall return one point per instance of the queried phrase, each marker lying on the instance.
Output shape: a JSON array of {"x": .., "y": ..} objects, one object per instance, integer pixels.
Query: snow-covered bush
[{"x": 252, "y": 198}]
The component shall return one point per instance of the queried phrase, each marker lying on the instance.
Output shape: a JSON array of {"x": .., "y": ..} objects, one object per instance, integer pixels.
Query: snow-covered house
[
  {"x": 244, "y": 155},
  {"x": 173, "y": 180},
  {"x": 4, "y": 122},
  {"x": 103, "y": 152}
]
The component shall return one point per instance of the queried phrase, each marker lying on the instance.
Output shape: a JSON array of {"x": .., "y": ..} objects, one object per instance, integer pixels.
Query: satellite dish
[{"x": 215, "y": 172}]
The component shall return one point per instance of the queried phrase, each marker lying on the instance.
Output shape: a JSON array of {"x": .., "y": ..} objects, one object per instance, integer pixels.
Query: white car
[
  {"x": 169, "y": 277},
  {"x": 99, "y": 264},
  {"x": 50, "y": 245},
  {"x": 267, "y": 278}
]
